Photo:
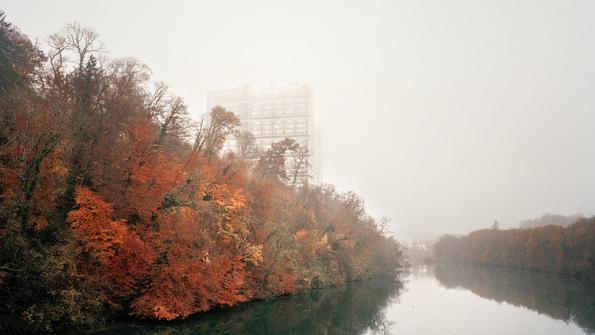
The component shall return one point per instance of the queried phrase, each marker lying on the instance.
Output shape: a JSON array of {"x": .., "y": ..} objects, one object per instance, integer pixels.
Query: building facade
[{"x": 272, "y": 114}]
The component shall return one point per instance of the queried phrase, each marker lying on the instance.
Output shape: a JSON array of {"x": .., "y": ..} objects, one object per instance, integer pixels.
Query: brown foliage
[
  {"x": 98, "y": 176},
  {"x": 569, "y": 250}
]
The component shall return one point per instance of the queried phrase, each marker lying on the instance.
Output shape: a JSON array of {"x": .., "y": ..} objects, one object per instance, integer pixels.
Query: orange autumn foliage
[
  {"x": 93, "y": 225},
  {"x": 117, "y": 257},
  {"x": 133, "y": 208},
  {"x": 198, "y": 268}
]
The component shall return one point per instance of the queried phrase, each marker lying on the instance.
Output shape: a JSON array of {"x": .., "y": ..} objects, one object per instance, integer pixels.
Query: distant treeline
[
  {"x": 115, "y": 202},
  {"x": 551, "y": 219},
  {"x": 568, "y": 250}
]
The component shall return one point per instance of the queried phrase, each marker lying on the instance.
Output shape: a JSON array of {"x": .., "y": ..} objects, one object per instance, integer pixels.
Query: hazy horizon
[{"x": 443, "y": 117}]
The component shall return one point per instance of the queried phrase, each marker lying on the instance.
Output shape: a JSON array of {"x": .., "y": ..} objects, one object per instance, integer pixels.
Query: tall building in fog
[{"x": 272, "y": 114}]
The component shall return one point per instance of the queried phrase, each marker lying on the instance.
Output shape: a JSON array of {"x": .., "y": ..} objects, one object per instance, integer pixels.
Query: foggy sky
[{"x": 443, "y": 115}]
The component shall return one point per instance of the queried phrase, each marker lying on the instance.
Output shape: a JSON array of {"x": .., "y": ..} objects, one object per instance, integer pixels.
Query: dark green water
[{"x": 441, "y": 299}]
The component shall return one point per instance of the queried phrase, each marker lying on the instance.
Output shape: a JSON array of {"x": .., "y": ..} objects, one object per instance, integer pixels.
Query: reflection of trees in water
[
  {"x": 349, "y": 309},
  {"x": 560, "y": 297}
]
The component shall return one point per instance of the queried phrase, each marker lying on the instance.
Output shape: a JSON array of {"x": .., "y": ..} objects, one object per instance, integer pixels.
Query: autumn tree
[
  {"x": 113, "y": 202},
  {"x": 210, "y": 134},
  {"x": 271, "y": 163},
  {"x": 246, "y": 145},
  {"x": 171, "y": 117},
  {"x": 31, "y": 132},
  {"x": 79, "y": 41},
  {"x": 549, "y": 248},
  {"x": 299, "y": 164}
]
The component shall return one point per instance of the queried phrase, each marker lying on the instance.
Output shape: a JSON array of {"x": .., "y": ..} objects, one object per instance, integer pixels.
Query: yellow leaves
[
  {"x": 311, "y": 240},
  {"x": 205, "y": 257},
  {"x": 238, "y": 200},
  {"x": 324, "y": 240},
  {"x": 162, "y": 313},
  {"x": 253, "y": 255},
  {"x": 229, "y": 202}
]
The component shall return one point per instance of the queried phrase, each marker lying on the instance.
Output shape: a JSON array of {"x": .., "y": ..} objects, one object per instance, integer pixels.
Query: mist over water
[
  {"x": 297, "y": 167},
  {"x": 444, "y": 116}
]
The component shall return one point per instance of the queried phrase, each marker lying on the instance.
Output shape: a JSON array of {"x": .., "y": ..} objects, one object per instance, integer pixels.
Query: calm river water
[{"x": 440, "y": 299}]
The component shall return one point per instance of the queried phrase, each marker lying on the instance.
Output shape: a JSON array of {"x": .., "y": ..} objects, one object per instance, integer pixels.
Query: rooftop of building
[{"x": 272, "y": 91}]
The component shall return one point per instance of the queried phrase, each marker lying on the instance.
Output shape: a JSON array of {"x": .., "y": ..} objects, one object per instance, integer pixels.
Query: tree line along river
[{"x": 428, "y": 299}]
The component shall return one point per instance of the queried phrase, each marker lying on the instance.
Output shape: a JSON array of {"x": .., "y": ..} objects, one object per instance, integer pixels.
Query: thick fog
[{"x": 443, "y": 115}]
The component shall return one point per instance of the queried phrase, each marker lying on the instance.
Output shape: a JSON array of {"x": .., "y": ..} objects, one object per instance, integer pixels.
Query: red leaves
[
  {"x": 197, "y": 267},
  {"x": 177, "y": 287},
  {"x": 187, "y": 283},
  {"x": 117, "y": 258},
  {"x": 94, "y": 226},
  {"x": 166, "y": 228},
  {"x": 185, "y": 253},
  {"x": 130, "y": 265},
  {"x": 149, "y": 174},
  {"x": 177, "y": 259}
]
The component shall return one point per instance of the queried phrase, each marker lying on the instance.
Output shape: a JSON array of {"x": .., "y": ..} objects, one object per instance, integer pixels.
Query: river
[{"x": 437, "y": 299}]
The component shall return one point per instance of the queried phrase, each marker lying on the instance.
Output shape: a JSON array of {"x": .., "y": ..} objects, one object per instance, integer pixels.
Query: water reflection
[
  {"x": 434, "y": 300},
  {"x": 559, "y": 297},
  {"x": 351, "y": 309}
]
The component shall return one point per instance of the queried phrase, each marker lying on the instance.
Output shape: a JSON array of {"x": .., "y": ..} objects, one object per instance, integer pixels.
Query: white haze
[{"x": 443, "y": 115}]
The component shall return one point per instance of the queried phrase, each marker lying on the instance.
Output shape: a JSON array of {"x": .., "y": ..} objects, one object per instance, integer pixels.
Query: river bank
[{"x": 429, "y": 299}]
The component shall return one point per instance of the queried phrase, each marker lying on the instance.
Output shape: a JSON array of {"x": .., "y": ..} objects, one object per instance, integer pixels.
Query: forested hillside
[
  {"x": 568, "y": 250},
  {"x": 114, "y": 201},
  {"x": 551, "y": 219}
]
